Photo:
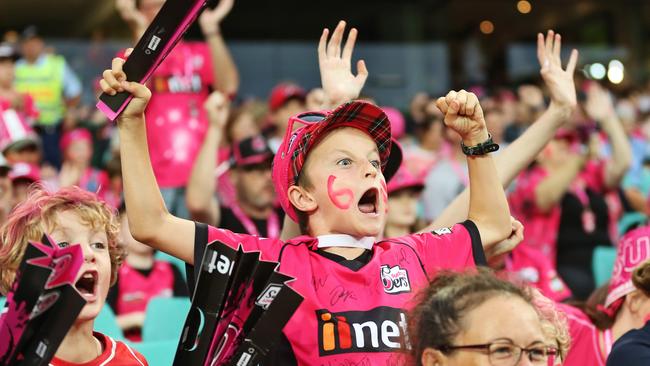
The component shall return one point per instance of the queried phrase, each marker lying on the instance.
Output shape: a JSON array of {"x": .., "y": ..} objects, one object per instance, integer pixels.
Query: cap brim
[
  {"x": 366, "y": 117},
  {"x": 394, "y": 160}
]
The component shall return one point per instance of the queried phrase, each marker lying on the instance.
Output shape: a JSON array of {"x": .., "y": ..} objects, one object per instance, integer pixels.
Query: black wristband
[{"x": 481, "y": 149}]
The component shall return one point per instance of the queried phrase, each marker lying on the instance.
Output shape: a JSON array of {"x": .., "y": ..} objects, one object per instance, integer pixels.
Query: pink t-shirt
[
  {"x": 176, "y": 120},
  {"x": 529, "y": 266},
  {"x": 542, "y": 227},
  {"x": 358, "y": 317},
  {"x": 589, "y": 346}
]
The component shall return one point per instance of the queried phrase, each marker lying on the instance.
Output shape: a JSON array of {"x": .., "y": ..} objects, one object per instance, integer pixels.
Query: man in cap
[{"x": 253, "y": 209}]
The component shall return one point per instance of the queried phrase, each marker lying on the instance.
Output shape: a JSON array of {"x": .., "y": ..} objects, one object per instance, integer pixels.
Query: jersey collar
[{"x": 344, "y": 240}]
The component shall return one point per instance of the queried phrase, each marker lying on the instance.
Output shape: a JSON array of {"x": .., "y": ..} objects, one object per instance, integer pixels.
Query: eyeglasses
[{"x": 507, "y": 354}]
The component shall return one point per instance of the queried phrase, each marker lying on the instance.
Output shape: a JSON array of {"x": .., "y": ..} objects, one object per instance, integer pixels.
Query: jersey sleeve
[
  {"x": 205, "y": 234},
  {"x": 454, "y": 248}
]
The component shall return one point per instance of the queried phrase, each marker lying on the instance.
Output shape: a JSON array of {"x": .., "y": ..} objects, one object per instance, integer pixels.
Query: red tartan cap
[{"x": 295, "y": 146}]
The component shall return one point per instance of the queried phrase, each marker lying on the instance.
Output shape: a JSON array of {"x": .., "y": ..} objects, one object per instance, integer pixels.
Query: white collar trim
[{"x": 344, "y": 240}]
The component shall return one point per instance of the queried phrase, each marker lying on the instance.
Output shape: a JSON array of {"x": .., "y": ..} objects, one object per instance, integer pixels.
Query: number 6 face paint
[
  {"x": 334, "y": 194},
  {"x": 384, "y": 194}
]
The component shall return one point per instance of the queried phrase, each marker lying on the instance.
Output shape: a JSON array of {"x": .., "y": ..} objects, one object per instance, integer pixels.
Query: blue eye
[
  {"x": 344, "y": 162},
  {"x": 63, "y": 244},
  {"x": 375, "y": 163}
]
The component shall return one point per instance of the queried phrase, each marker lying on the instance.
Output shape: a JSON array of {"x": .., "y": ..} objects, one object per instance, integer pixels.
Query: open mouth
[
  {"x": 369, "y": 201},
  {"x": 86, "y": 285}
]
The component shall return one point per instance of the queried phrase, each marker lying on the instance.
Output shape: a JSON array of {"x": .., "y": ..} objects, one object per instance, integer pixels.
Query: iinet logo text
[{"x": 382, "y": 329}]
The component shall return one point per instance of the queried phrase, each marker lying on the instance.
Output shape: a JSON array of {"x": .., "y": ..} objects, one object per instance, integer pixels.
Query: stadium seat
[
  {"x": 160, "y": 353},
  {"x": 173, "y": 260},
  {"x": 165, "y": 317},
  {"x": 106, "y": 323},
  {"x": 603, "y": 264}
]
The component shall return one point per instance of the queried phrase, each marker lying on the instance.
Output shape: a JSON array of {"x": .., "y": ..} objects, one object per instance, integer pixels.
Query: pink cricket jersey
[
  {"x": 176, "y": 120},
  {"x": 589, "y": 346},
  {"x": 357, "y": 317}
]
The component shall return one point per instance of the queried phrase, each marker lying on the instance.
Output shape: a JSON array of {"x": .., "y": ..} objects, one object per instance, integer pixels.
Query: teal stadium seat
[
  {"x": 106, "y": 323},
  {"x": 160, "y": 353},
  {"x": 603, "y": 264},
  {"x": 164, "y": 319},
  {"x": 179, "y": 263}
]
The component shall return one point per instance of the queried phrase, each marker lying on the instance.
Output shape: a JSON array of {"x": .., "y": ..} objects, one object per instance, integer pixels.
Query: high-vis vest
[{"x": 44, "y": 82}]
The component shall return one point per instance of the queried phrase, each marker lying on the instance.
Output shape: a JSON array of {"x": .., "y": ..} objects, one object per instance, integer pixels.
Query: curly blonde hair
[
  {"x": 554, "y": 322},
  {"x": 37, "y": 214}
]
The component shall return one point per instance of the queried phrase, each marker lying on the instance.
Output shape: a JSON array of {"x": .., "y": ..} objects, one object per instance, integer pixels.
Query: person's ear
[
  {"x": 433, "y": 357},
  {"x": 635, "y": 301},
  {"x": 301, "y": 199}
]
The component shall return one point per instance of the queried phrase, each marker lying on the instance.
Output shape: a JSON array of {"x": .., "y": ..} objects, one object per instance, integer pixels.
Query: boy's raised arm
[
  {"x": 488, "y": 207},
  {"x": 149, "y": 220}
]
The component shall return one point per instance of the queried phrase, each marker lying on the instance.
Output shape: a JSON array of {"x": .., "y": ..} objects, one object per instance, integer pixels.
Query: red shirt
[
  {"x": 115, "y": 354},
  {"x": 357, "y": 317}
]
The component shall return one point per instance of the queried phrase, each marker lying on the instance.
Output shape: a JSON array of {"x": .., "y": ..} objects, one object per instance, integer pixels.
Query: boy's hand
[
  {"x": 464, "y": 114},
  {"x": 210, "y": 19},
  {"x": 339, "y": 83},
  {"x": 114, "y": 81},
  {"x": 217, "y": 107},
  {"x": 559, "y": 82}
]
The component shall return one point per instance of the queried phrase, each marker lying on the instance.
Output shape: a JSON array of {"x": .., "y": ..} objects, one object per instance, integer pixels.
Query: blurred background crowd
[{"x": 575, "y": 201}]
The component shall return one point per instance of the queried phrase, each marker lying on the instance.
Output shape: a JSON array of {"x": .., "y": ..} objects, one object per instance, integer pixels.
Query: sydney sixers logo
[{"x": 395, "y": 279}]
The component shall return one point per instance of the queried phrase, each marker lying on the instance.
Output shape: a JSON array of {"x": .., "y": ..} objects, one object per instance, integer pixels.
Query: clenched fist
[{"x": 464, "y": 114}]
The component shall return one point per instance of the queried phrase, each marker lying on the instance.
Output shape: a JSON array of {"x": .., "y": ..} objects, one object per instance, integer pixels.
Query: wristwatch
[{"x": 481, "y": 149}]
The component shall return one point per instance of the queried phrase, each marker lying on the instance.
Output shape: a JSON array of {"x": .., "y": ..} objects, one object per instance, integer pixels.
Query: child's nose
[
  {"x": 89, "y": 254},
  {"x": 370, "y": 170}
]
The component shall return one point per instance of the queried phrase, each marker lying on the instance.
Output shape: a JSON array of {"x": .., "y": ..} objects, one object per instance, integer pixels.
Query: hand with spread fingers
[
  {"x": 559, "y": 81},
  {"x": 114, "y": 80},
  {"x": 210, "y": 19},
  {"x": 599, "y": 105},
  {"x": 463, "y": 114},
  {"x": 338, "y": 82}
]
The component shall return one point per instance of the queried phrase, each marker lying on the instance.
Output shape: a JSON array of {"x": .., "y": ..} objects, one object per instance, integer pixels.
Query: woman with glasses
[{"x": 476, "y": 319}]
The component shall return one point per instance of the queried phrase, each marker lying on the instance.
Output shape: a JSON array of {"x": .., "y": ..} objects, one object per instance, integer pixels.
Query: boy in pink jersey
[{"x": 328, "y": 177}]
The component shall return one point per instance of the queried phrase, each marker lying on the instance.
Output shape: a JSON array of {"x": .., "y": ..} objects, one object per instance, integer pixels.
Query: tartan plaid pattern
[
  {"x": 364, "y": 116},
  {"x": 293, "y": 151}
]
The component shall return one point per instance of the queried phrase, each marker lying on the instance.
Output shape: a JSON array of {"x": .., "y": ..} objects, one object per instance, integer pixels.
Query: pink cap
[
  {"x": 283, "y": 92},
  {"x": 397, "y": 123},
  {"x": 26, "y": 171},
  {"x": 15, "y": 130},
  {"x": 633, "y": 249},
  {"x": 295, "y": 146},
  {"x": 78, "y": 134},
  {"x": 404, "y": 179}
]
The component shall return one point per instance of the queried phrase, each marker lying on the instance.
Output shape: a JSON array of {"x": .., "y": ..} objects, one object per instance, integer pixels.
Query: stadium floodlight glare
[
  {"x": 615, "y": 72},
  {"x": 597, "y": 71}
]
